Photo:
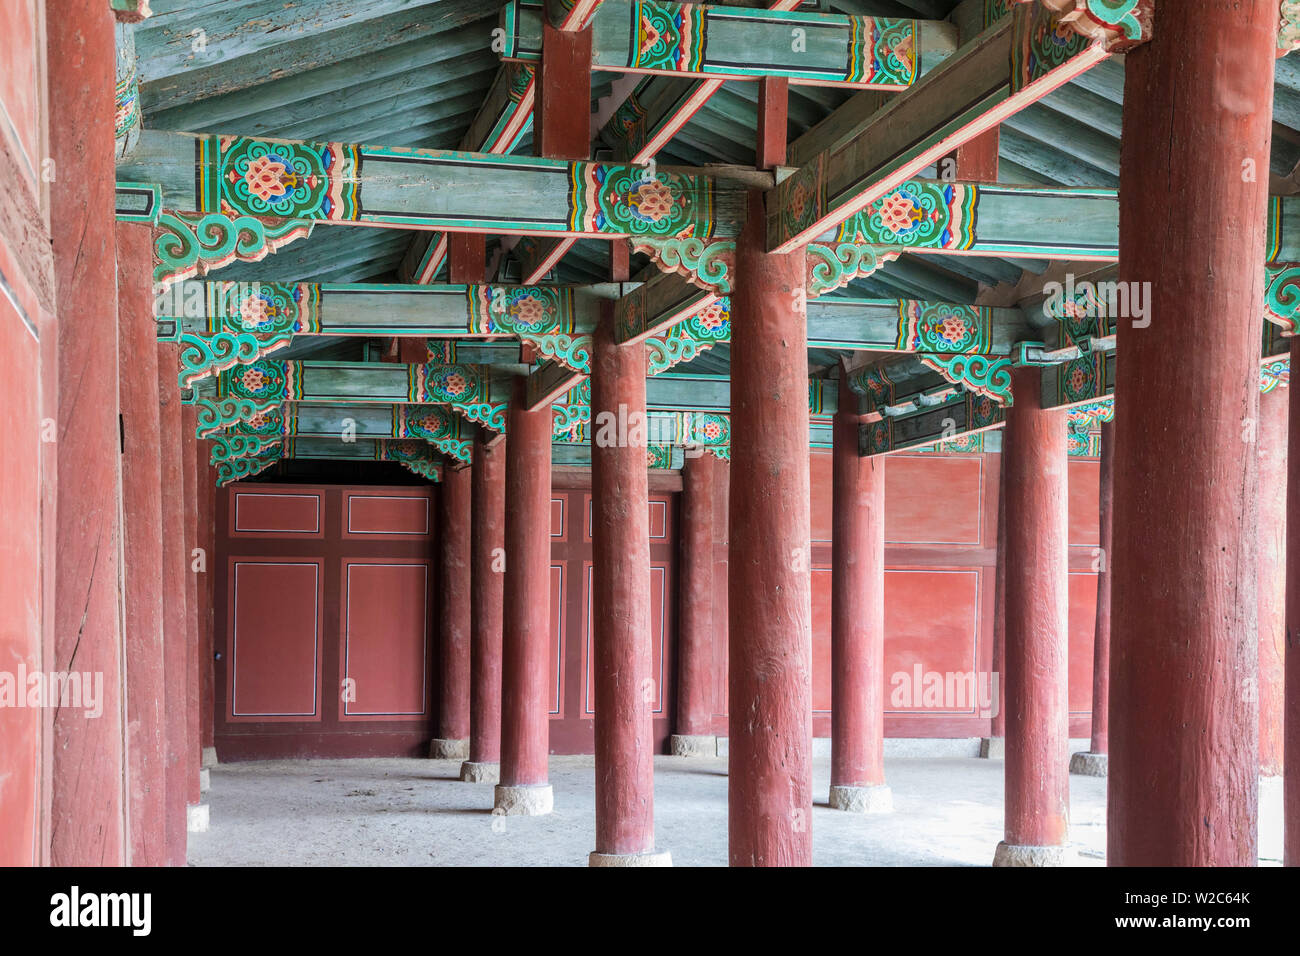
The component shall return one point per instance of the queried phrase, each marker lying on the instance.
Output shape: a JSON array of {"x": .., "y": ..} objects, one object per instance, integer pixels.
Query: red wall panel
[
  {"x": 374, "y": 516},
  {"x": 276, "y": 514},
  {"x": 275, "y": 639},
  {"x": 385, "y": 638},
  {"x": 934, "y": 499},
  {"x": 1085, "y": 486},
  {"x": 1083, "y": 617}
]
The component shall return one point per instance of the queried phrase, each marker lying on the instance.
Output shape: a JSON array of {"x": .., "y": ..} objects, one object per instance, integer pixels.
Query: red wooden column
[
  {"x": 526, "y": 632},
  {"x": 995, "y": 744},
  {"x": 620, "y": 549},
  {"x": 1092, "y": 763},
  {"x": 175, "y": 567},
  {"x": 196, "y": 818},
  {"x": 857, "y": 619},
  {"x": 1272, "y": 441},
  {"x": 1291, "y": 680},
  {"x": 487, "y": 591},
  {"x": 142, "y": 546},
  {"x": 1037, "y": 804},
  {"x": 89, "y": 798},
  {"x": 454, "y": 621},
  {"x": 695, "y": 615},
  {"x": 1183, "y": 775},
  {"x": 770, "y": 631},
  {"x": 562, "y": 107},
  {"x": 207, "y": 485}
]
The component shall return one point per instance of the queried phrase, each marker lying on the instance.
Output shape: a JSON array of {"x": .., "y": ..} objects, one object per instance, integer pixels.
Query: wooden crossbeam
[
  {"x": 503, "y": 119},
  {"x": 429, "y": 188},
  {"x": 967, "y": 95},
  {"x": 416, "y": 456},
  {"x": 703, "y": 42}
]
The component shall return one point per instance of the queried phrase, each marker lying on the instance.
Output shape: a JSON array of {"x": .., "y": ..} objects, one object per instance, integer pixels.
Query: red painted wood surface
[
  {"x": 525, "y": 637},
  {"x": 207, "y": 484},
  {"x": 1037, "y": 621},
  {"x": 1184, "y": 619},
  {"x": 142, "y": 546},
  {"x": 487, "y": 591},
  {"x": 771, "y": 135},
  {"x": 175, "y": 569},
  {"x": 454, "y": 503},
  {"x": 467, "y": 257},
  {"x": 1291, "y": 681},
  {"x": 770, "y": 643},
  {"x": 1272, "y": 454},
  {"x": 1101, "y": 602},
  {"x": 89, "y": 788},
  {"x": 193, "y": 596},
  {"x": 858, "y": 606},
  {"x": 621, "y": 623},
  {"x": 561, "y": 114},
  {"x": 696, "y": 598},
  {"x": 326, "y": 640},
  {"x": 27, "y": 339}
]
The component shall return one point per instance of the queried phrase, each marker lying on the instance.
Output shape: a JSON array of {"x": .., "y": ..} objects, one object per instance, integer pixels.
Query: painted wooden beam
[
  {"x": 571, "y": 15},
  {"x": 416, "y": 456},
  {"x": 503, "y": 119},
  {"x": 1011, "y": 65},
  {"x": 127, "y": 120},
  {"x": 429, "y": 188},
  {"x": 703, "y": 42}
]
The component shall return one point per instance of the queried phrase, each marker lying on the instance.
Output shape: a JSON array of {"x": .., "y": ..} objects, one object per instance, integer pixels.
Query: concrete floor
[{"x": 948, "y": 812}]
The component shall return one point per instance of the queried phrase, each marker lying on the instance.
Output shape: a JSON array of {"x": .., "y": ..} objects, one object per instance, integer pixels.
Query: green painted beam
[
  {"x": 429, "y": 189},
  {"x": 703, "y": 42}
]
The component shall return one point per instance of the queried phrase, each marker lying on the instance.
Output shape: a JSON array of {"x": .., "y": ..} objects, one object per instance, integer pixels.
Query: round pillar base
[
  {"x": 205, "y": 780},
  {"x": 443, "y": 749},
  {"x": 209, "y": 757},
  {"x": 197, "y": 818},
  {"x": 1008, "y": 854},
  {"x": 650, "y": 858},
  {"x": 526, "y": 801},
  {"x": 693, "y": 745},
  {"x": 993, "y": 748},
  {"x": 475, "y": 772},
  {"x": 877, "y": 799},
  {"x": 1087, "y": 764}
]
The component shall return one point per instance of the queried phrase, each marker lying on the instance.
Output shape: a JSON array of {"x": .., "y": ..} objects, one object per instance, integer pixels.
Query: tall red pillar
[
  {"x": 1183, "y": 774},
  {"x": 621, "y": 653},
  {"x": 1092, "y": 763},
  {"x": 995, "y": 744},
  {"x": 196, "y": 812},
  {"x": 1037, "y": 801},
  {"x": 454, "y": 498},
  {"x": 487, "y": 593},
  {"x": 694, "y": 736},
  {"x": 89, "y": 799},
  {"x": 207, "y": 485},
  {"x": 146, "y": 736},
  {"x": 857, "y": 619},
  {"x": 769, "y": 799},
  {"x": 175, "y": 567},
  {"x": 1291, "y": 678},
  {"x": 526, "y": 633},
  {"x": 1272, "y": 441}
]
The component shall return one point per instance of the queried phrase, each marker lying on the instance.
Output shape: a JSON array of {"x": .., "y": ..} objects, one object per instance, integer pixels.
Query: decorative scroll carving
[{"x": 192, "y": 244}]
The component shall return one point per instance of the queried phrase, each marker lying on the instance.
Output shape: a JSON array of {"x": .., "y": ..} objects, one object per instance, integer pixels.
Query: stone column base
[
  {"x": 205, "y": 780},
  {"x": 692, "y": 745},
  {"x": 1088, "y": 764},
  {"x": 1008, "y": 854},
  {"x": 197, "y": 818},
  {"x": 525, "y": 801},
  {"x": 474, "y": 772},
  {"x": 442, "y": 749},
  {"x": 209, "y": 758},
  {"x": 993, "y": 748},
  {"x": 877, "y": 799},
  {"x": 650, "y": 858}
]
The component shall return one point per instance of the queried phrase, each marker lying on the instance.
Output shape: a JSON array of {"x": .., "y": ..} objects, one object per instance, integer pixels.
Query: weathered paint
[
  {"x": 527, "y": 624},
  {"x": 857, "y": 607},
  {"x": 193, "y": 711},
  {"x": 1037, "y": 607},
  {"x": 561, "y": 120},
  {"x": 1291, "y": 718},
  {"x": 621, "y": 632},
  {"x": 88, "y": 786},
  {"x": 770, "y": 632},
  {"x": 1101, "y": 629},
  {"x": 487, "y": 586},
  {"x": 1272, "y": 454},
  {"x": 146, "y": 728},
  {"x": 696, "y": 599},
  {"x": 1183, "y": 768},
  {"x": 454, "y": 504}
]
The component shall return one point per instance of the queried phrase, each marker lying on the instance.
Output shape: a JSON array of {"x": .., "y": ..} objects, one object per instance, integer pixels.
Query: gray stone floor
[{"x": 948, "y": 812}]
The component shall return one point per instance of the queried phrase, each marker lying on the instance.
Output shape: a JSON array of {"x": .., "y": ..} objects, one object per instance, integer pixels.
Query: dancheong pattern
[
  {"x": 1048, "y": 43},
  {"x": 190, "y": 244},
  {"x": 669, "y": 37},
  {"x": 627, "y": 200},
  {"x": 944, "y": 328},
  {"x": 520, "y": 310},
  {"x": 917, "y": 215},
  {"x": 253, "y": 177}
]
